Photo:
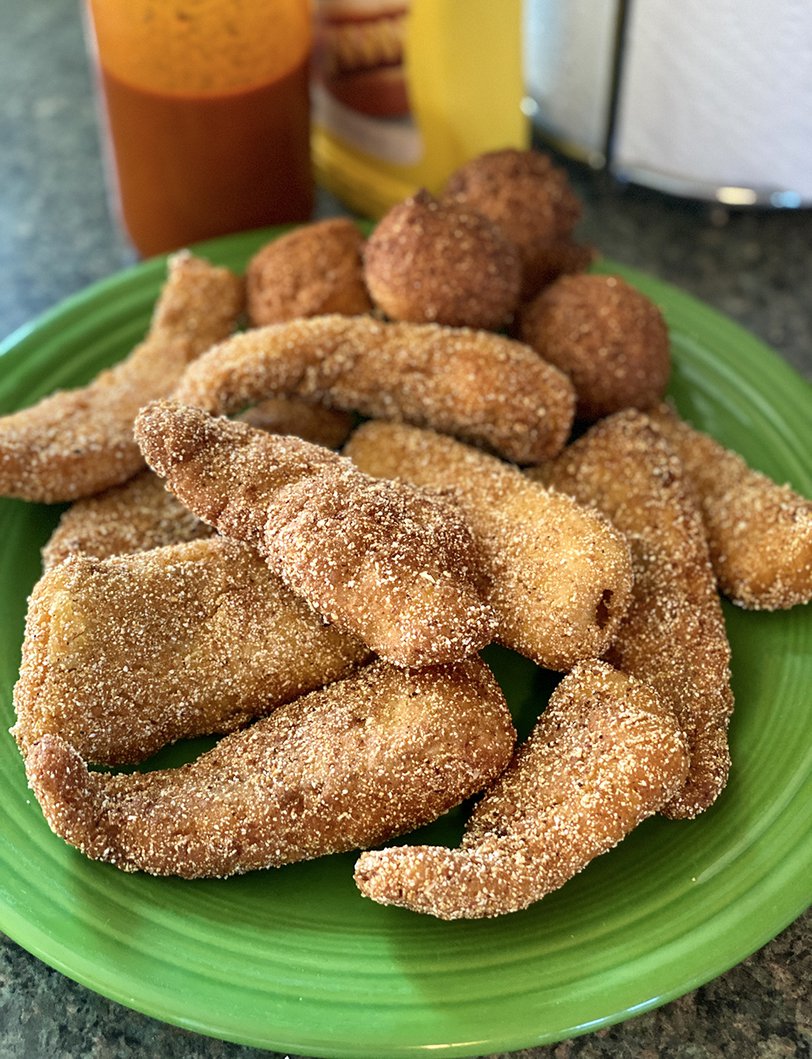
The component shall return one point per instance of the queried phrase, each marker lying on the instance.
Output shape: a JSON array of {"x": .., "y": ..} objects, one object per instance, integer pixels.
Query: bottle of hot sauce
[{"x": 207, "y": 114}]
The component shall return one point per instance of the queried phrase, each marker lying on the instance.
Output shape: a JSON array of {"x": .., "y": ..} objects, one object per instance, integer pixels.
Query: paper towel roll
[
  {"x": 719, "y": 95},
  {"x": 568, "y": 56},
  {"x": 714, "y": 99}
]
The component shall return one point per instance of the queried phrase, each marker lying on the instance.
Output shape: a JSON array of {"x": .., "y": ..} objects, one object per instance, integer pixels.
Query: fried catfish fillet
[
  {"x": 136, "y": 516},
  {"x": 605, "y": 754},
  {"x": 141, "y": 514},
  {"x": 673, "y": 637},
  {"x": 376, "y": 754},
  {"x": 560, "y": 573},
  {"x": 475, "y": 385},
  {"x": 759, "y": 532},
  {"x": 124, "y": 655},
  {"x": 78, "y": 442},
  {"x": 384, "y": 561}
]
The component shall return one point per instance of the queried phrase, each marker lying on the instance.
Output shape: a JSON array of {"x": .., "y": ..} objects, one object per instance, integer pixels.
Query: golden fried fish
[
  {"x": 605, "y": 754},
  {"x": 384, "y": 561},
  {"x": 78, "y": 442},
  {"x": 124, "y": 655},
  {"x": 369, "y": 757}
]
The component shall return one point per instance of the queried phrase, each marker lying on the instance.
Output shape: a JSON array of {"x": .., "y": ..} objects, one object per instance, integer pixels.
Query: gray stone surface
[{"x": 56, "y": 237}]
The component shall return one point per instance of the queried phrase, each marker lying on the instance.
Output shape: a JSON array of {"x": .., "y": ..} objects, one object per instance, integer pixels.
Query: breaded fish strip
[
  {"x": 78, "y": 442},
  {"x": 759, "y": 532},
  {"x": 382, "y": 560},
  {"x": 367, "y": 758},
  {"x": 605, "y": 754},
  {"x": 125, "y": 655},
  {"x": 674, "y": 635},
  {"x": 133, "y": 517},
  {"x": 478, "y": 386},
  {"x": 560, "y": 573},
  {"x": 141, "y": 514}
]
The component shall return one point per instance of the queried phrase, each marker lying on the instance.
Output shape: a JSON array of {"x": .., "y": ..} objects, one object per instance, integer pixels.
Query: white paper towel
[
  {"x": 719, "y": 93},
  {"x": 715, "y": 96},
  {"x": 568, "y": 52}
]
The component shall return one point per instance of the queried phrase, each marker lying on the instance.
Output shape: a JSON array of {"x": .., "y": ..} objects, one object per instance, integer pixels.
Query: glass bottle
[{"x": 207, "y": 114}]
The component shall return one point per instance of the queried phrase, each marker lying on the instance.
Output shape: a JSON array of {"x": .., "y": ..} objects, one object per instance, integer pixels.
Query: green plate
[{"x": 295, "y": 959}]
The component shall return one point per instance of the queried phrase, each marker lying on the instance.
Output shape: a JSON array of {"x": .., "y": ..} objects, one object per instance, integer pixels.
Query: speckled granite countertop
[{"x": 56, "y": 237}]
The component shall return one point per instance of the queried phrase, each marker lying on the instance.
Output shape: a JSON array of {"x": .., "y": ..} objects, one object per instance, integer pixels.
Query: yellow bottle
[
  {"x": 405, "y": 91},
  {"x": 207, "y": 115}
]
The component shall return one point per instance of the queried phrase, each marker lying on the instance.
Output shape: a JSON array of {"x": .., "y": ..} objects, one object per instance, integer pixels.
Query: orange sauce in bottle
[{"x": 207, "y": 115}]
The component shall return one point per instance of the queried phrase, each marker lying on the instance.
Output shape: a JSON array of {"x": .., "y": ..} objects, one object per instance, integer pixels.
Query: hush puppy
[
  {"x": 313, "y": 270},
  {"x": 433, "y": 262},
  {"x": 608, "y": 337},
  {"x": 531, "y": 201}
]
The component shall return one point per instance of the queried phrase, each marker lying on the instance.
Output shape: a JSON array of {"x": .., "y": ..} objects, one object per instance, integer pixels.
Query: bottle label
[{"x": 359, "y": 82}]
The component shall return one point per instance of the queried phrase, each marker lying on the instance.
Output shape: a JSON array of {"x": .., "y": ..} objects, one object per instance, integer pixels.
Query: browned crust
[
  {"x": 138, "y": 515},
  {"x": 605, "y": 755},
  {"x": 477, "y": 386},
  {"x": 759, "y": 532},
  {"x": 78, "y": 442},
  {"x": 141, "y": 514},
  {"x": 310, "y": 271},
  {"x": 527, "y": 196},
  {"x": 386, "y": 562},
  {"x": 560, "y": 574},
  {"x": 354, "y": 764},
  {"x": 429, "y": 261},
  {"x": 125, "y": 655},
  {"x": 674, "y": 635},
  {"x": 610, "y": 340}
]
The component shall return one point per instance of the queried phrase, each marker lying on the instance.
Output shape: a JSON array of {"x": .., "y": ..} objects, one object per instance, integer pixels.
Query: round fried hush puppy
[
  {"x": 313, "y": 270},
  {"x": 759, "y": 532},
  {"x": 608, "y": 337},
  {"x": 560, "y": 573},
  {"x": 391, "y": 564},
  {"x": 369, "y": 757},
  {"x": 528, "y": 197},
  {"x": 478, "y": 386},
  {"x": 433, "y": 262},
  {"x": 605, "y": 755}
]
